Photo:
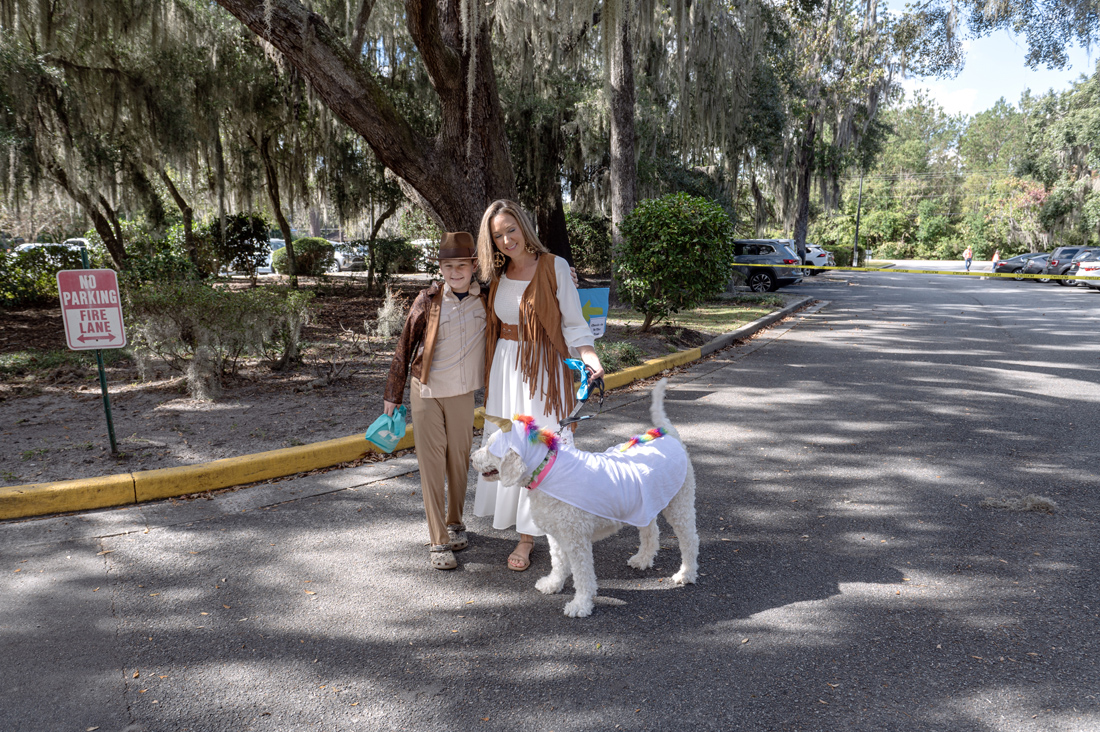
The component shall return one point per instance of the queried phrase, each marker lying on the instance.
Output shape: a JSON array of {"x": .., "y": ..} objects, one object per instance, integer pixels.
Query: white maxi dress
[{"x": 508, "y": 394}]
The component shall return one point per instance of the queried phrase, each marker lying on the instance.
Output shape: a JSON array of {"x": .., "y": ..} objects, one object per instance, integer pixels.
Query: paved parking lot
[{"x": 854, "y": 575}]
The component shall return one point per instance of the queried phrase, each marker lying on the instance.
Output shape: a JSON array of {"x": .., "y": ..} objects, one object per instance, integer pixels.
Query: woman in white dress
[{"x": 535, "y": 322}]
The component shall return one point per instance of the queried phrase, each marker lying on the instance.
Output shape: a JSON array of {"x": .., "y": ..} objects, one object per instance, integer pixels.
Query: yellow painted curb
[
  {"x": 651, "y": 367},
  {"x": 150, "y": 485},
  {"x": 37, "y": 499}
]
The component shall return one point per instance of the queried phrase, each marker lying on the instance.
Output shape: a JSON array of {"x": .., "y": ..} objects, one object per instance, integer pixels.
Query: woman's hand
[
  {"x": 588, "y": 355},
  {"x": 388, "y": 407}
]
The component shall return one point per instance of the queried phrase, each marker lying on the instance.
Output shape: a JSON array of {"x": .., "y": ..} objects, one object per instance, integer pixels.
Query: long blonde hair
[{"x": 487, "y": 271}]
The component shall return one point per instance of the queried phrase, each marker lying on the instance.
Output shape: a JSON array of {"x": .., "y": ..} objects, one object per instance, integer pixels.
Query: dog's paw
[
  {"x": 639, "y": 562},
  {"x": 684, "y": 577},
  {"x": 579, "y": 607},
  {"x": 549, "y": 585}
]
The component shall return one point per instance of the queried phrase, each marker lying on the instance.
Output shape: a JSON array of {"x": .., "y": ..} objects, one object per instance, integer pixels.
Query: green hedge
[
  {"x": 677, "y": 253},
  {"x": 313, "y": 255},
  {"x": 30, "y": 277}
]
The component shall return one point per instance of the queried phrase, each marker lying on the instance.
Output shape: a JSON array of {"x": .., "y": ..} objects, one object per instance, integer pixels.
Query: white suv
[{"x": 817, "y": 257}]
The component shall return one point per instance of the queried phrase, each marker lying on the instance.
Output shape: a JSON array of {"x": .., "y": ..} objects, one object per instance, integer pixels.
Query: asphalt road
[{"x": 853, "y": 576}]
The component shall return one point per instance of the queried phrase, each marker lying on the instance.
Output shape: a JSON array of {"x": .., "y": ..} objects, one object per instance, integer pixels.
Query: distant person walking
[{"x": 967, "y": 256}]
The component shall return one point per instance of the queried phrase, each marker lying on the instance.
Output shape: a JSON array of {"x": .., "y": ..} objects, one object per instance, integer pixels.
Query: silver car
[{"x": 776, "y": 263}]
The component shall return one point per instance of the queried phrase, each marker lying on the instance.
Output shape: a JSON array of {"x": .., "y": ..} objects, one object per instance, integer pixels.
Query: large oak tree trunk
[
  {"x": 623, "y": 167},
  {"x": 552, "y": 229},
  {"x": 805, "y": 183},
  {"x": 466, "y": 165}
]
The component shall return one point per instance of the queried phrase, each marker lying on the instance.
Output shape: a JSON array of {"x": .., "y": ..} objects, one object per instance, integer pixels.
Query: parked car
[
  {"x": 1089, "y": 267},
  {"x": 1083, "y": 254},
  {"x": 767, "y": 252},
  {"x": 55, "y": 253},
  {"x": 1060, "y": 260},
  {"x": 1015, "y": 265},
  {"x": 345, "y": 257},
  {"x": 273, "y": 246},
  {"x": 1035, "y": 266},
  {"x": 1074, "y": 267},
  {"x": 816, "y": 256}
]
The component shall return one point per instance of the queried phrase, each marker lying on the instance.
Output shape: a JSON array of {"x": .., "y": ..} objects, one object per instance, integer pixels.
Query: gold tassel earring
[{"x": 498, "y": 259}]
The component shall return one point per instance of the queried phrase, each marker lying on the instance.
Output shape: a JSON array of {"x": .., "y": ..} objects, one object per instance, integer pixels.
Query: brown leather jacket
[{"x": 417, "y": 342}]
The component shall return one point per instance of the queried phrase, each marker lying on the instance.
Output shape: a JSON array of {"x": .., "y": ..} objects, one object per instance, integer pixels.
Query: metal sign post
[{"x": 91, "y": 310}]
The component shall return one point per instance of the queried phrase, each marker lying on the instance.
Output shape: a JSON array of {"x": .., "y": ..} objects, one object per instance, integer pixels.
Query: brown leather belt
[{"x": 509, "y": 332}]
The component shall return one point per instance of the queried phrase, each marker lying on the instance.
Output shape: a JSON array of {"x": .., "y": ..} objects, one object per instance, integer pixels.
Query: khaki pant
[{"x": 444, "y": 430}]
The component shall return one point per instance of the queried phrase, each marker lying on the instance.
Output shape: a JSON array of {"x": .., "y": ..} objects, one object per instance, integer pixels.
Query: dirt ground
[{"x": 53, "y": 420}]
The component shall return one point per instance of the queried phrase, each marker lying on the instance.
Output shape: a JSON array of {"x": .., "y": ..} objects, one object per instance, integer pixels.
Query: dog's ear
[{"x": 512, "y": 469}]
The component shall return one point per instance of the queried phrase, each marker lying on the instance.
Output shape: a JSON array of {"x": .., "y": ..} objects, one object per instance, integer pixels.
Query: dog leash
[{"x": 584, "y": 391}]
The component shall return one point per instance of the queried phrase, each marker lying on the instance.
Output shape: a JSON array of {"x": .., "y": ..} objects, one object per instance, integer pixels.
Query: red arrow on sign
[{"x": 86, "y": 338}]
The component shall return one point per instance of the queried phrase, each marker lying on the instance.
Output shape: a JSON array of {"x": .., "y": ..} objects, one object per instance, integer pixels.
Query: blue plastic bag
[{"x": 385, "y": 432}]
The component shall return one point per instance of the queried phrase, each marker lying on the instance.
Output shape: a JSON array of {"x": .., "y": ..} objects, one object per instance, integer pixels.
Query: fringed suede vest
[{"x": 542, "y": 347}]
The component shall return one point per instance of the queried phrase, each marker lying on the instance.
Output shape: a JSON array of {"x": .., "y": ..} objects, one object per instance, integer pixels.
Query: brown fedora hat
[{"x": 456, "y": 245}]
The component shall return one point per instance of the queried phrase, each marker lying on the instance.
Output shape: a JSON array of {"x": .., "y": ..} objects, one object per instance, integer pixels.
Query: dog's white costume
[{"x": 580, "y": 497}]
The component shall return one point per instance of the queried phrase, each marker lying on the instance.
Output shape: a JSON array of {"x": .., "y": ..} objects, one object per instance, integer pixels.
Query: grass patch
[
  {"x": 21, "y": 363},
  {"x": 618, "y": 355},
  {"x": 715, "y": 317}
]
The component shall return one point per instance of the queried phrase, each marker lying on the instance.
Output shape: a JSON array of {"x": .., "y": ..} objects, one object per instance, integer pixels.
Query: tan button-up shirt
[{"x": 458, "y": 359}]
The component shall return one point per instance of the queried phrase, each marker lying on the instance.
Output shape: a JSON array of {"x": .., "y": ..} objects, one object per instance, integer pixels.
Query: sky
[{"x": 995, "y": 68}]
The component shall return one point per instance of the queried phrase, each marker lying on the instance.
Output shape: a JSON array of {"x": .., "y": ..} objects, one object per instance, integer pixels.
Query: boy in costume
[{"x": 443, "y": 345}]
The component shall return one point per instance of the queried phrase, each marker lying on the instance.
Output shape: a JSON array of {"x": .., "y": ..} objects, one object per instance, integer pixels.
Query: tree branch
[
  {"x": 346, "y": 87},
  {"x": 443, "y": 63},
  {"x": 360, "y": 30}
]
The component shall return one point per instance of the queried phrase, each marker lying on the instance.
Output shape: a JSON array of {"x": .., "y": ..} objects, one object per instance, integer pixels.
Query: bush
[
  {"x": 618, "y": 355},
  {"x": 159, "y": 266},
  {"x": 313, "y": 255},
  {"x": 244, "y": 247},
  {"x": 590, "y": 240},
  {"x": 30, "y": 277},
  {"x": 842, "y": 255},
  {"x": 201, "y": 331},
  {"x": 388, "y": 256},
  {"x": 678, "y": 253}
]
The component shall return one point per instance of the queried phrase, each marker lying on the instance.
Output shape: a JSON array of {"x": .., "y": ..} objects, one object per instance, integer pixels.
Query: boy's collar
[{"x": 474, "y": 289}]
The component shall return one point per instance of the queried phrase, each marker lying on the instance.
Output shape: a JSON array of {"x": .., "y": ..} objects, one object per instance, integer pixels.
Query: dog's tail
[{"x": 657, "y": 409}]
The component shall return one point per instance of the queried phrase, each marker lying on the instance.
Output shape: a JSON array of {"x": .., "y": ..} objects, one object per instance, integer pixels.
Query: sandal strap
[{"x": 440, "y": 548}]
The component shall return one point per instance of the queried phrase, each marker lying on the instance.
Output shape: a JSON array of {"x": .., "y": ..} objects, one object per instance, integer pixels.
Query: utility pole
[{"x": 859, "y": 206}]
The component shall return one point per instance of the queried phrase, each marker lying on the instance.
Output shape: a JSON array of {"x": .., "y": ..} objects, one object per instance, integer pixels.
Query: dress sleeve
[{"x": 574, "y": 328}]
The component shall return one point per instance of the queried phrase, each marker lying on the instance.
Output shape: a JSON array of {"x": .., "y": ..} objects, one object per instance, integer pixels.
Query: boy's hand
[
  {"x": 388, "y": 407},
  {"x": 573, "y": 274}
]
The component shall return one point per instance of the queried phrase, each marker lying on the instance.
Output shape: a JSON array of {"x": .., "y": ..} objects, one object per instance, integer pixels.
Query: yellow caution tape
[{"x": 1012, "y": 275}]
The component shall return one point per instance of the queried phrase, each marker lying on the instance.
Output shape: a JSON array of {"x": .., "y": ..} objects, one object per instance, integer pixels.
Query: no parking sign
[
  {"x": 91, "y": 309},
  {"x": 92, "y": 313}
]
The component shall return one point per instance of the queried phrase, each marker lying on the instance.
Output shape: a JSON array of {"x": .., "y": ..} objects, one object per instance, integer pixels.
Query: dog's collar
[{"x": 542, "y": 469}]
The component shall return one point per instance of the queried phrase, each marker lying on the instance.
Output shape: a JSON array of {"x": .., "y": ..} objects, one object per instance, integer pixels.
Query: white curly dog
[{"x": 580, "y": 497}]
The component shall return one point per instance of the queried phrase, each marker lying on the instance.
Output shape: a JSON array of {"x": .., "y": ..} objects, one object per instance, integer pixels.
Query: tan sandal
[
  {"x": 442, "y": 557},
  {"x": 523, "y": 562}
]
